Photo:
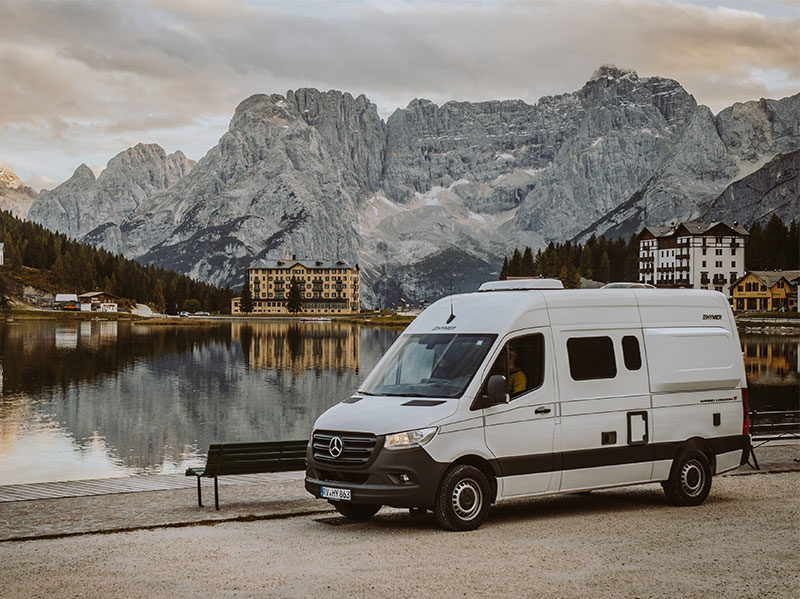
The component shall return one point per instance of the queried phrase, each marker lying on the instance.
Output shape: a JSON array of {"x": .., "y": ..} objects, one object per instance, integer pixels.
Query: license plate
[{"x": 330, "y": 493}]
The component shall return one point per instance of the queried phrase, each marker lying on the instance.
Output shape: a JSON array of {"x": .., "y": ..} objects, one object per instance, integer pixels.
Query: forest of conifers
[
  {"x": 78, "y": 268},
  {"x": 771, "y": 247}
]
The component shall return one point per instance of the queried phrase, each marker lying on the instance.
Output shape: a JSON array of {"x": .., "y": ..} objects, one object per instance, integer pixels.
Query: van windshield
[{"x": 429, "y": 365}]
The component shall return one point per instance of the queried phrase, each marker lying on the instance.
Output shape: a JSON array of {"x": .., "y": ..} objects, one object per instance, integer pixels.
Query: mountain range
[{"x": 430, "y": 199}]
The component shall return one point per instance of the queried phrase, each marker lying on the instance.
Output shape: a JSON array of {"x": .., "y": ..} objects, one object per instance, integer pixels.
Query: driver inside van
[
  {"x": 506, "y": 365},
  {"x": 517, "y": 381}
]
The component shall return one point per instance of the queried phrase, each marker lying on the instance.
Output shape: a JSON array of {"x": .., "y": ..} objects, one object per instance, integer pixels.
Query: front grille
[
  {"x": 357, "y": 448},
  {"x": 336, "y": 476}
]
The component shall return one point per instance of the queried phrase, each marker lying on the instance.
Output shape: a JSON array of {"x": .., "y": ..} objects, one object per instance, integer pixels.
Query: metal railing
[{"x": 766, "y": 424}]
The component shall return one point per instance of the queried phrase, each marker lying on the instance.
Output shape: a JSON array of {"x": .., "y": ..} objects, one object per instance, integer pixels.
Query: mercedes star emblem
[{"x": 335, "y": 447}]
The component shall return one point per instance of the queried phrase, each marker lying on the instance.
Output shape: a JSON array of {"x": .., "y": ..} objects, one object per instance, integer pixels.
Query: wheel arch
[
  {"x": 481, "y": 464},
  {"x": 703, "y": 446}
]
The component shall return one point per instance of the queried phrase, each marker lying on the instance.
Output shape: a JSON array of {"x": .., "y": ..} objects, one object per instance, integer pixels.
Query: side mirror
[{"x": 496, "y": 390}]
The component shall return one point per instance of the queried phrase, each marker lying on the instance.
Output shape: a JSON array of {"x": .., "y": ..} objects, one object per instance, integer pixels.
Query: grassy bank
[
  {"x": 17, "y": 313},
  {"x": 177, "y": 322}
]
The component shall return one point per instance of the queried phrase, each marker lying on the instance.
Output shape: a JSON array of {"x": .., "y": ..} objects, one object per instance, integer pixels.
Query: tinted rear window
[{"x": 591, "y": 358}]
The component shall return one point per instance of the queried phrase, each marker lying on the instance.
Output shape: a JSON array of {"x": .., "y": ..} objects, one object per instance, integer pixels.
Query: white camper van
[{"x": 512, "y": 392}]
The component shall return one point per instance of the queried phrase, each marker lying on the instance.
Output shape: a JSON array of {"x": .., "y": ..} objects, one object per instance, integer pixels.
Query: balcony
[
  {"x": 719, "y": 280},
  {"x": 735, "y": 244},
  {"x": 682, "y": 256},
  {"x": 704, "y": 280},
  {"x": 682, "y": 282}
]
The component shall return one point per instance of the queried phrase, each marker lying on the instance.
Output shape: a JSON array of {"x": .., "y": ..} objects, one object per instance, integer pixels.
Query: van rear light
[{"x": 745, "y": 412}]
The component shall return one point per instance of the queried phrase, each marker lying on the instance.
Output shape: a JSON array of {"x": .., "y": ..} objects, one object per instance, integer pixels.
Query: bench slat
[{"x": 252, "y": 458}]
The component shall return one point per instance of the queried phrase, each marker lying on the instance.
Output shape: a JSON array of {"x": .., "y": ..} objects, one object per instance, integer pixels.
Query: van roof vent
[{"x": 521, "y": 285}]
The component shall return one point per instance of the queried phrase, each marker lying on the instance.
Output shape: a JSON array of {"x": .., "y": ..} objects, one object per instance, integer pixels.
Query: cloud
[{"x": 108, "y": 74}]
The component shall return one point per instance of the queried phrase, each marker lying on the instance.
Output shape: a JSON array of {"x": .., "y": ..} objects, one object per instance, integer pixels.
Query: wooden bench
[{"x": 249, "y": 458}]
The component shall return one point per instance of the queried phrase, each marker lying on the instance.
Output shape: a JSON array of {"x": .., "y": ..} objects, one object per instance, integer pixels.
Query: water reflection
[
  {"x": 772, "y": 364},
  {"x": 299, "y": 347},
  {"x": 151, "y": 399}
]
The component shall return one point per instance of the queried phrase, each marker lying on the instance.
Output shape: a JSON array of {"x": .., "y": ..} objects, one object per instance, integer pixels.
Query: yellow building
[
  {"x": 767, "y": 290},
  {"x": 326, "y": 288}
]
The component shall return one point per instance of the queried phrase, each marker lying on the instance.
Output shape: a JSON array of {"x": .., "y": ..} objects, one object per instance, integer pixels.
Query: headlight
[{"x": 410, "y": 438}]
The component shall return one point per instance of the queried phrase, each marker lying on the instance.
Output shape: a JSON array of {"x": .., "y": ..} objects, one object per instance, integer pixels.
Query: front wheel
[
  {"x": 359, "y": 512},
  {"x": 463, "y": 501},
  {"x": 689, "y": 481}
]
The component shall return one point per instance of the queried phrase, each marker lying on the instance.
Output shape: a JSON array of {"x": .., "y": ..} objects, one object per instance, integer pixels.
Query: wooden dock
[{"x": 128, "y": 484}]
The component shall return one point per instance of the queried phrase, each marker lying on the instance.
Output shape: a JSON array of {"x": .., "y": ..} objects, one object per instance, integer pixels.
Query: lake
[{"x": 98, "y": 399}]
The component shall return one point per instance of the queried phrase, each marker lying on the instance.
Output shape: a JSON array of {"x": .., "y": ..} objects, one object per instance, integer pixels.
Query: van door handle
[{"x": 542, "y": 410}]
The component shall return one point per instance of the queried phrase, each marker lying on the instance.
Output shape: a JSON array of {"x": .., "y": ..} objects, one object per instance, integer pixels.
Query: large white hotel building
[{"x": 693, "y": 255}]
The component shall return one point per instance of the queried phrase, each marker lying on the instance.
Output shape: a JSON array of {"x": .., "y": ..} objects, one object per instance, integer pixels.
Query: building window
[
  {"x": 718, "y": 263},
  {"x": 704, "y": 263},
  {"x": 704, "y": 250}
]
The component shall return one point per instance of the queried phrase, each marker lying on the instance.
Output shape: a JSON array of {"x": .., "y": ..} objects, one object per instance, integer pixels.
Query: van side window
[
  {"x": 522, "y": 363},
  {"x": 591, "y": 358},
  {"x": 630, "y": 352}
]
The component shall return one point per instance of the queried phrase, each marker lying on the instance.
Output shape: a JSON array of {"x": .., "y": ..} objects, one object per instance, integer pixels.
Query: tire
[
  {"x": 689, "y": 481},
  {"x": 358, "y": 512},
  {"x": 463, "y": 500}
]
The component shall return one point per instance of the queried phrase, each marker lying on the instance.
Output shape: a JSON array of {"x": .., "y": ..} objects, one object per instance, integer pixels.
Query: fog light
[{"x": 405, "y": 478}]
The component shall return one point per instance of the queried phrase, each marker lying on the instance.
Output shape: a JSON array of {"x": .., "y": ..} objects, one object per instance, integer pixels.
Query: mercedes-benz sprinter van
[{"x": 525, "y": 389}]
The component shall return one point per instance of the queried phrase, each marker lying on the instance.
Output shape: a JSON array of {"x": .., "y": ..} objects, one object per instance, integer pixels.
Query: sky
[{"x": 83, "y": 80}]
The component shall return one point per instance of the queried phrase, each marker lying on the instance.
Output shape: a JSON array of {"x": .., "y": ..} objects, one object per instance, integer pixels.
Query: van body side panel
[
  {"x": 606, "y": 427},
  {"x": 521, "y": 434},
  {"x": 692, "y": 359},
  {"x": 728, "y": 461},
  {"x": 595, "y": 433},
  {"x": 452, "y": 443}
]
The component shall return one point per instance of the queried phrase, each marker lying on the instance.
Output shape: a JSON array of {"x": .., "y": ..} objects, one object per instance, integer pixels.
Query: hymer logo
[{"x": 712, "y": 316}]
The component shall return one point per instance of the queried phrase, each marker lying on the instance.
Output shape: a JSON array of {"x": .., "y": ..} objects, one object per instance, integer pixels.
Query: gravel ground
[{"x": 742, "y": 542}]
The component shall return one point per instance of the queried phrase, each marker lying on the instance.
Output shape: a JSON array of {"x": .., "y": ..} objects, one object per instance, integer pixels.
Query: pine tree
[
  {"x": 159, "y": 303},
  {"x": 526, "y": 267},
  {"x": 515, "y": 266},
  {"x": 246, "y": 301},
  {"x": 294, "y": 303},
  {"x": 604, "y": 270},
  {"x": 504, "y": 269}
]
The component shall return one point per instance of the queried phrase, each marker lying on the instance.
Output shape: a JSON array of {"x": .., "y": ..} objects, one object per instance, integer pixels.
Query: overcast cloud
[{"x": 83, "y": 80}]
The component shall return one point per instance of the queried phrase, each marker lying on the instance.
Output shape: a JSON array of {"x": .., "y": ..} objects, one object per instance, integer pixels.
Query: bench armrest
[{"x": 195, "y": 471}]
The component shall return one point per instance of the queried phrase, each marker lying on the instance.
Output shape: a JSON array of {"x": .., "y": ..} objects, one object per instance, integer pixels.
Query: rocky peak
[
  {"x": 82, "y": 174},
  {"x": 8, "y": 180},
  {"x": 260, "y": 110},
  {"x": 611, "y": 72},
  {"x": 15, "y": 196},
  {"x": 84, "y": 201}
]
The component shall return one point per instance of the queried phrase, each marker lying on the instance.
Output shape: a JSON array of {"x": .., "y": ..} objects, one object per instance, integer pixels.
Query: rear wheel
[
  {"x": 690, "y": 479},
  {"x": 360, "y": 512},
  {"x": 463, "y": 501}
]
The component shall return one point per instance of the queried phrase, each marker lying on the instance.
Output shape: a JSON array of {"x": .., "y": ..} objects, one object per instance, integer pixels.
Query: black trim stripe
[{"x": 606, "y": 456}]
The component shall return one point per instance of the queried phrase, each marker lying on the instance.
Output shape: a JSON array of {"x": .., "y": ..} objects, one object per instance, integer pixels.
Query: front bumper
[{"x": 381, "y": 482}]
